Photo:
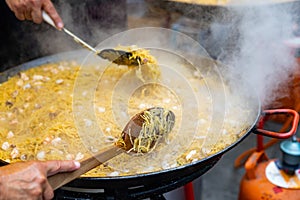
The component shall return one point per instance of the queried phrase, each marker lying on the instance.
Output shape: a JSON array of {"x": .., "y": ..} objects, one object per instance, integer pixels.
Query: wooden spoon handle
[{"x": 86, "y": 165}]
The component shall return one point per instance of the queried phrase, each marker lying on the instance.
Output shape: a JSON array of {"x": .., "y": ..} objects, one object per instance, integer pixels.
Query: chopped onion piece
[
  {"x": 14, "y": 153},
  {"x": 79, "y": 156},
  {"x": 15, "y": 94},
  {"x": 9, "y": 114},
  {"x": 24, "y": 77},
  {"x": 56, "y": 141},
  {"x": 59, "y": 81},
  {"x": 27, "y": 86},
  {"x": 47, "y": 140},
  {"x": 14, "y": 121},
  {"x": 38, "y": 77},
  {"x": 10, "y": 134},
  {"x": 101, "y": 109},
  {"x": 41, "y": 155},
  {"x": 206, "y": 151},
  {"x": 20, "y": 82},
  {"x": 224, "y": 132},
  {"x": 190, "y": 155},
  {"x": 5, "y": 146},
  {"x": 115, "y": 173}
]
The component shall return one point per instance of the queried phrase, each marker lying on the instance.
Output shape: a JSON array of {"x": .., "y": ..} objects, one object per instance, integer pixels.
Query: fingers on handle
[
  {"x": 36, "y": 15},
  {"x": 54, "y": 167},
  {"x": 50, "y": 9},
  {"x": 48, "y": 193}
]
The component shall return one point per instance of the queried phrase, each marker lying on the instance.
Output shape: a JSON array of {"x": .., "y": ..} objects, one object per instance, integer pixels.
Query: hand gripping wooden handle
[{"x": 86, "y": 165}]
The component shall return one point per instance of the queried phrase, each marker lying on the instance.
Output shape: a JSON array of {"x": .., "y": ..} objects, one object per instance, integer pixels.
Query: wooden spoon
[
  {"x": 140, "y": 135},
  {"x": 118, "y": 57}
]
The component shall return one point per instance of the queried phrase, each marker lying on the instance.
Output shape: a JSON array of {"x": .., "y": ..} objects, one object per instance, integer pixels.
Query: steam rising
[
  {"x": 255, "y": 34},
  {"x": 247, "y": 35},
  {"x": 93, "y": 21},
  {"x": 261, "y": 57}
]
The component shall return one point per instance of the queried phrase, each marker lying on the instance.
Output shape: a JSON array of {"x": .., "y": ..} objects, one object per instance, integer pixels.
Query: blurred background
[{"x": 252, "y": 37}]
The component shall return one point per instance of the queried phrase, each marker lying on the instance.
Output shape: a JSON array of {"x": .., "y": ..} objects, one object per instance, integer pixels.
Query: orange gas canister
[{"x": 256, "y": 183}]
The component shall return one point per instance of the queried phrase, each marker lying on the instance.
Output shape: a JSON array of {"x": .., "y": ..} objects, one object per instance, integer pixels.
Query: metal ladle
[
  {"x": 132, "y": 131},
  {"x": 119, "y": 57}
]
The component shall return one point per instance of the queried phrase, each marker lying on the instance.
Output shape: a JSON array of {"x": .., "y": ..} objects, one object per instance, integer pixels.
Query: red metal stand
[{"x": 189, "y": 191}]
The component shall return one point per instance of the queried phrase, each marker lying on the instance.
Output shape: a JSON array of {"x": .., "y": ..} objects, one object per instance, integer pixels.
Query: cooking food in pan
[
  {"x": 141, "y": 135},
  {"x": 41, "y": 106}
]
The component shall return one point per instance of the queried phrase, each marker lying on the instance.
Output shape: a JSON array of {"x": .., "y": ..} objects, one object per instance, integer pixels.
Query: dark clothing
[{"x": 91, "y": 20}]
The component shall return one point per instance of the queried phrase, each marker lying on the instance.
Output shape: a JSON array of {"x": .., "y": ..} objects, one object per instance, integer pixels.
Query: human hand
[
  {"x": 32, "y": 10},
  {"x": 28, "y": 180}
]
